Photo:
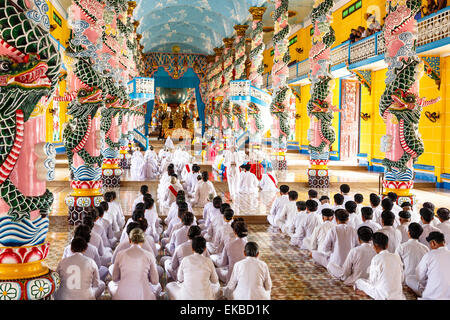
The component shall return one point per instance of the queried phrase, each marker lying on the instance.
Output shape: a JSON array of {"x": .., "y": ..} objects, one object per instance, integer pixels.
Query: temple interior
[{"x": 323, "y": 97}]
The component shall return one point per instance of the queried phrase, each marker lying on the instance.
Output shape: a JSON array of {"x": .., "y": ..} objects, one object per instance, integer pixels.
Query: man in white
[
  {"x": 269, "y": 182},
  {"x": 405, "y": 220},
  {"x": 426, "y": 217},
  {"x": 202, "y": 191},
  {"x": 232, "y": 162},
  {"x": 444, "y": 225},
  {"x": 320, "y": 232},
  {"x": 411, "y": 252},
  {"x": 248, "y": 182},
  {"x": 385, "y": 273},
  {"x": 197, "y": 277},
  {"x": 79, "y": 275},
  {"x": 358, "y": 260},
  {"x": 285, "y": 219},
  {"x": 345, "y": 191},
  {"x": 337, "y": 244},
  {"x": 299, "y": 216},
  {"x": 353, "y": 219},
  {"x": 433, "y": 269},
  {"x": 278, "y": 205},
  {"x": 137, "y": 168},
  {"x": 394, "y": 236},
  {"x": 250, "y": 279},
  {"x": 366, "y": 218},
  {"x": 376, "y": 208},
  {"x": 307, "y": 225}
]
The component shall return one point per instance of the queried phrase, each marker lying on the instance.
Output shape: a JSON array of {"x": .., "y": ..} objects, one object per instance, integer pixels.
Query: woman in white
[
  {"x": 233, "y": 251},
  {"x": 171, "y": 192},
  {"x": 250, "y": 279},
  {"x": 169, "y": 143},
  {"x": 79, "y": 275},
  {"x": 204, "y": 188},
  {"x": 134, "y": 270},
  {"x": 269, "y": 182},
  {"x": 197, "y": 277},
  {"x": 137, "y": 167}
]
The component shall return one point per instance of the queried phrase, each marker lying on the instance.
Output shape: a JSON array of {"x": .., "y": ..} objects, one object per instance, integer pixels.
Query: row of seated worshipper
[
  {"x": 131, "y": 258},
  {"x": 361, "y": 32},
  {"x": 375, "y": 248},
  {"x": 432, "y": 6}
]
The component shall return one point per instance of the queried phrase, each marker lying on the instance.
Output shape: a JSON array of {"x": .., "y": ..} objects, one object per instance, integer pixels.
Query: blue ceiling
[{"x": 196, "y": 26}]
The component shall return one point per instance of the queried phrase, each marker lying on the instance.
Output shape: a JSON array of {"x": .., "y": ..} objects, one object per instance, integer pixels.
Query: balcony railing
[{"x": 432, "y": 28}]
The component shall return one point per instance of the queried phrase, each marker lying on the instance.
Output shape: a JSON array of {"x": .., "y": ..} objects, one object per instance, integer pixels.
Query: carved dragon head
[{"x": 408, "y": 106}]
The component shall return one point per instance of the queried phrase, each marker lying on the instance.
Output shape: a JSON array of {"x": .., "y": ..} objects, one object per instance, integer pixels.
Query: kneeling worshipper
[
  {"x": 203, "y": 189},
  {"x": 250, "y": 279},
  {"x": 170, "y": 195},
  {"x": 232, "y": 252},
  {"x": 197, "y": 277},
  {"x": 191, "y": 180},
  {"x": 232, "y": 162},
  {"x": 269, "y": 182},
  {"x": 88, "y": 285},
  {"x": 134, "y": 271},
  {"x": 169, "y": 143},
  {"x": 151, "y": 166},
  {"x": 385, "y": 272},
  {"x": 137, "y": 168},
  {"x": 248, "y": 182}
]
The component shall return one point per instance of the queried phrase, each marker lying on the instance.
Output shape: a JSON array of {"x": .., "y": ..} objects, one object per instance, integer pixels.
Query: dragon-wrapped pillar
[
  {"x": 29, "y": 69},
  {"x": 321, "y": 134},
  {"x": 125, "y": 157},
  {"x": 400, "y": 104},
  {"x": 282, "y": 97},
  {"x": 228, "y": 76},
  {"x": 255, "y": 124}
]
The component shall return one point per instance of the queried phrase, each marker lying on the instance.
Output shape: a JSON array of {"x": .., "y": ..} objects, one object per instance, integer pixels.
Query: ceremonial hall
[{"x": 224, "y": 150}]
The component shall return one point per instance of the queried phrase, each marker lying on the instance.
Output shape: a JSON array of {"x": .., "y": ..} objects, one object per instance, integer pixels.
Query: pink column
[
  {"x": 113, "y": 130},
  {"x": 24, "y": 175},
  {"x": 91, "y": 144}
]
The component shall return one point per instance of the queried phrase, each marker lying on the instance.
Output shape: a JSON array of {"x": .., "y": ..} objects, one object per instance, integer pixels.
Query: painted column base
[
  {"x": 318, "y": 178},
  {"x": 111, "y": 173},
  {"x": 402, "y": 189},
  {"x": 280, "y": 165},
  {"x": 27, "y": 278},
  {"x": 125, "y": 158},
  {"x": 78, "y": 206},
  {"x": 125, "y": 164}
]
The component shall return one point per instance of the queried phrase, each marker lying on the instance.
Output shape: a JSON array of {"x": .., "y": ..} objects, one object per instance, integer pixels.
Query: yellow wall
[{"x": 61, "y": 34}]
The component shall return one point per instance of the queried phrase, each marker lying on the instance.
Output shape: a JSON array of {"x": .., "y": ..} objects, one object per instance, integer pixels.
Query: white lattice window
[
  {"x": 339, "y": 55},
  {"x": 362, "y": 50},
  {"x": 433, "y": 29},
  {"x": 303, "y": 68},
  {"x": 293, "y": 72}
]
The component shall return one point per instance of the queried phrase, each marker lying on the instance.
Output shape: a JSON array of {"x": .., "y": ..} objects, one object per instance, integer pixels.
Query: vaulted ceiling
[{"x": 197, "y": 26}]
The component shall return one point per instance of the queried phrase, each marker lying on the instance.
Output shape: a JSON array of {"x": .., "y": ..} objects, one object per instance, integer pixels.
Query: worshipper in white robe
[
  {"x": 320, "y": 232},
  {"x": 180, "y": 235},
  {"x": 357, "y": 263},
  {"x": 387, "y": 206},
  {"x": 151, "y": 168},
  {"x": 426, "y": 217},
  {"x": 210, "y": 211},
  {"x": 432, "y": 207},
  {"x": 151, "y": 215},
  {"x": 232, "y": 252},
  {"x": 79, "y": 275},
  {"x": 107, "y": 224},
  {"x": 345, "y": 191},
  {"x": 299, "y": 216},
  {"x": 359, "y": 199},
  {"x": 99, "y": 228},
  {"x": 278, "y": 205},
  {"x": 285, "y": 219},
  {"x": 353, "y": 219},
  {"x": 216, "y": 222},
  {"x": 432, "y": 270},
  {"x": 84, "y": 232},
  {"x": 248, "y": 183},
  {"x": 138, "y": 214},
  {"x": 202, "y": 191},
  {"x": 338, "y": 202},
  {"x": 120, "y": 217},
  {"x": 105, "y": 253},
  {"x": 166, "y": 162},
  {"x": 150, "y": 153},
  {"x": 183, "y": 250},
  {"x": 163, "y": 153},
  {"x": 112, "y": 213},
  {"x": 367, "y": 219},
  {"x": 385, "y": 273},
  {"x": 171, "y": 192},
  {"x": 196, "y": 278},
  {"x": 164, "y": 182},
  {"x": 173, "y": 210},
  {"x": 169, "y": 143},
  {"x": 191, "y": 180},
  {"x": 394, "y": 236},
  {"x": 337, "y": 244},
  {"x": 307, "y": 225},
  {"x": 269, "y": 182},
  {"x": 134, "y": 271},
  {"x": 250, "y": 279},
  {"x": 232, "y": 162},
  {"x": 395, "y": 207},
  {"x": 444, "y": 225},
  {"x": 137, "y": 168},
  {"x": 411, "y": 252},
  {"x": 223, "y": 234},
  {"x": 376, "y": 207},
  {"x": 405, "y": 220}
]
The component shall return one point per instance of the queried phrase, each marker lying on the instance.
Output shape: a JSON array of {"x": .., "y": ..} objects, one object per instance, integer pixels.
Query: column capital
[
  {"x": 228, "y": 42},
  {"x": 210, "y": 58},
  {"x": 257, "y": 12},
  {"x": 131, "y": 6},
  {"x": 136, "y": 24},
  {"x": 240, "y": 29}
]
